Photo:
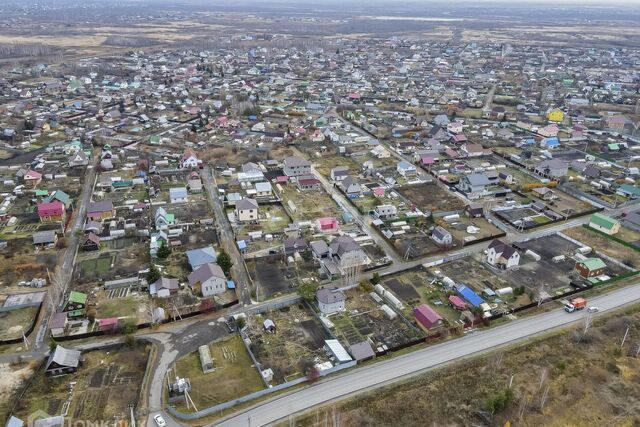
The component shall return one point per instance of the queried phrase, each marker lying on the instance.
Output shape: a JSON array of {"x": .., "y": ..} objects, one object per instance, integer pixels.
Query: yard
[
  {"x": 132, "y": 306},
  {"x": 103, "y": 388},
  {"x": 308, "y": 205},
  {"x": 607, "y": 246},
  {"x": 234, "y": 375},
  {"x": 273, "y": 276},
  {"x": 13, "y": 323},
  {"x": 298, "y": 340},
  {"x": 364, "y": 319},
  {"x": 432, "y": 198}
]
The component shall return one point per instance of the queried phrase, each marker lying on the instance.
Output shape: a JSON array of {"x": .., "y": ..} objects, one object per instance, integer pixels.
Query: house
[
  {"x": 632, "y": 221},
  {"x": 427, "y": 317},
  {"x": 201, "y": 256},
  {"x": 90, "y": 242},
  {"x": 292, "y": 245},
  {"x": 553, "y": 168},
  {"x": 385, "y": 211},
  {"x": 194, "y": 184},
  {"x": 591, "y": 267},
  {"x": 474, "y": 210},
  {"x": 502, "y": 255},
  {"x": 32, "y": 178},
  {"x": 164, "y": 287},
  {"x": 351, "y": 187},
  {"x": 210, "y": 278},
  {"x": 555, "y": 115},
  {"x": 60, "y": 196},
  {"x": 246, "y": 210},
  {"x": 75, "y": 304},
  {"x": 361, "y": 351},
  {"x": 441, "y": 236},
  {"x": 163, "y": 219},
  {"x": 308, "y": 183},
  {"x": 330, "y": 300},
  {"x": 45, "y": 238},
  {"x": 327, "y": 225},
  {"x": 379, "y": 152},
  {"x": 98, "y": 211},
  {"x": 178, "y": 195},
  {"x": 630, "y": 191},
  {"x": 58, "y": 324},
  {"x": 79, "y": 159},
  {"x": 406, "y": 169},
  {"x": 347, "y": 253},
  {"x": 469, "y": 295},
  {"x": 604, "y": 224},
  {"x": 457, "y": 303},
  {"x": 156, "y": 241},
  {"x": 264, "y": 189},
  {"x": 474, "y": 183},
  {"x": 189, "y": 160},
  {"x": 51, "y": 212},
  {"x": 339, "y": 173},
  {"x": 295, "y": 166},
  {"x": 62, "y": 361},
  {"x": 544, "y": 193}
]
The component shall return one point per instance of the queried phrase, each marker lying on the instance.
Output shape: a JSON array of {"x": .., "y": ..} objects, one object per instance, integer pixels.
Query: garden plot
[
  {"x": 432, "y": 198},
  {"x": 413, "y": 243},
  {"x": 123, "y": 305},
  {"x": 273, "y": 276},
  {"x": 523, "y": 218},
  {"x": 466, "y": 230},
  {"x": 605, "y": 245},
  {"x": 16, "y": 322},
  {"x": 102, "y": 390},
  {"x": 365, "y": 320},
  {"x": 308, "y": 205},
  {"x": 272, "y": 218},
  {"x": 125, "y": 259},
  {"x": 234, "y": 374},
  {"x": 297, "y": 342}
]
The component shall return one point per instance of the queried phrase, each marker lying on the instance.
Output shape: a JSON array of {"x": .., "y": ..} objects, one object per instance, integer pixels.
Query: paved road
[
  {"x": 386, "y": 372},
  {"x": 227, "y": 239}
]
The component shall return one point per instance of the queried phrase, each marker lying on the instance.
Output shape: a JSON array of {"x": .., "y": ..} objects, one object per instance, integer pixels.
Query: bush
[{"x": 499, "y": 400}]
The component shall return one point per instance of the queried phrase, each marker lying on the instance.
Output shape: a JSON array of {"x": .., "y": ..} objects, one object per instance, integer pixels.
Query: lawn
[
  {"x": 234, "y": 374},
  {"x": 119, "y": 307},
  {"x": 14, "y": 322}
]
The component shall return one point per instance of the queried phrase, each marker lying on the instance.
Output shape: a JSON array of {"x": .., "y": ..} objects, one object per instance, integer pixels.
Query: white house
[
  {"x": 163, "y": 219},
  {"x": 339, "y": 173},
  {"x": 246, "y": 210},
  {"x": 385, "y": 211},
  {"x": 210, "y": 278},
  {"x": 263, "y": 189},
  {"x": 178, "y": 195},
  {"x": 330, "y": 301},
  {"x": 441, "y": 236},
  {"x": 406, "y": 169},
  {"x": 502, "y": 255},
  {"x": 189, "y": 160}
]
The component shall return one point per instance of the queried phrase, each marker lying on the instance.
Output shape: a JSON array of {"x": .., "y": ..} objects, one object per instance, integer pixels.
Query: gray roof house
[
  {"x": 330, "y": 300},
  {"x": 62, "y": 361},
  {"x": 45, "y": 237},
  {"x": 210, "y": 278},
  {"x": 553, "y": 168},
  {"x": 198, "y": 257},
  {"x": 441, "y": 236},
  {"x": 474, "y": 183},
  {"x": 296, "y": 166}
]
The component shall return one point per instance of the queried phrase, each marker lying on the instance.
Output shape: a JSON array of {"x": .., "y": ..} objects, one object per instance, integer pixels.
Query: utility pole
[{"x": 625, "y": 337}]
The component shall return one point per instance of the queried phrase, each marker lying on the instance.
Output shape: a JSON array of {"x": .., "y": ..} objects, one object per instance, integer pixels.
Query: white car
[
  {"x": 160, "y": 421},
  {"x": 593, "y": 309}
]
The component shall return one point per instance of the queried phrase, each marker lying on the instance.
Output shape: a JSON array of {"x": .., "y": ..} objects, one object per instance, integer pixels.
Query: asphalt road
[{"x": 389, "y": 371}]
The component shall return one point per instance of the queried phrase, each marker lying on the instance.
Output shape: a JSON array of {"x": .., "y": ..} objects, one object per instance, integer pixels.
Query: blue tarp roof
[
  {"x": 469, "y": 295},
  {"x": 230, "y": 284},
  {"x": 242, "y": 245}
]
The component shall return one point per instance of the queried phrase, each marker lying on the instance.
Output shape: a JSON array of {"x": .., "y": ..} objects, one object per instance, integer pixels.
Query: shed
[
  {"x": 337, "y": 351},
  {"x": 362, "y": 351}
]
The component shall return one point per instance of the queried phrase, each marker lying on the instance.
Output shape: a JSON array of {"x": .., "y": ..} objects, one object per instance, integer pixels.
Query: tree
[
  {"x": 153, "y": 274},
  {"x": 307, "y": 291},
  {"x": 375, "y": 279},
  {"x": 224, "y": 261},
  {"x": 163, "y": 251}
]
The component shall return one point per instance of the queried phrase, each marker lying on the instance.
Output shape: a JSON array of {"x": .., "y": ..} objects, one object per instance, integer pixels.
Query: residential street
[
  {"x": 227, "y": 239},
  {"x": 383, "y": 373}
]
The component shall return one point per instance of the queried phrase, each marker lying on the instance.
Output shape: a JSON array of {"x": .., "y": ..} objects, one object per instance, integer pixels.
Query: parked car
[{"x": 160, "y": 421}]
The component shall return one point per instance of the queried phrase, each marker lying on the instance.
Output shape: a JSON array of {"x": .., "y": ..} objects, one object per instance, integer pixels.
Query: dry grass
[{"x": 589, "y": 383}]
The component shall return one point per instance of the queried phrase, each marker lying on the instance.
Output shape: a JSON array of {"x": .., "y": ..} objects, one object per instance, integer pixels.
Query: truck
[{"x": 578, "y": 303}]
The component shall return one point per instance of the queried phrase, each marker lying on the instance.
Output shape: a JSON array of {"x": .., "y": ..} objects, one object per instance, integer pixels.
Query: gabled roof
[
  {"x": 77, "y": 297},
  {"x": 198, "y": 257},
  {"x": 205, "y": 272},
  {"x": 603, "y": 221},
  {"x": 330, "y": 296},
  {"x": 64, "y": 357},
  {"x": 246, "y": 204},
  {"x": 593, "y": 263}
]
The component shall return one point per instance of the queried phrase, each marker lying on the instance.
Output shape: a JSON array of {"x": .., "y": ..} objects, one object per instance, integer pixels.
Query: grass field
[
  {"x": 604, "y": 245},
  {"x": 234, "y": 374}
]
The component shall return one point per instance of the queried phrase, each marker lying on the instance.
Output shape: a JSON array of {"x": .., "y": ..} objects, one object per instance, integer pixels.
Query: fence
[{"x": 226, "y": 405}]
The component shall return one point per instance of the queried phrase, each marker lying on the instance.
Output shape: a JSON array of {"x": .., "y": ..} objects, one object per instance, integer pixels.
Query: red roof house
[
  {"x": 427, "y": 316},
  {"x": 51, "y": 212},
  {"x": 457, "y": 302}
]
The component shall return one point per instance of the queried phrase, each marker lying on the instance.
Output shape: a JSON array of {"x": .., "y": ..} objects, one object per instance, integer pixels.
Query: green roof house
[
  {"x": 630, "y": 191},
  {"x": 75, "y": 304},
  {"x": 604, "y": 224},
  {"x": 591, "y": 267}
]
